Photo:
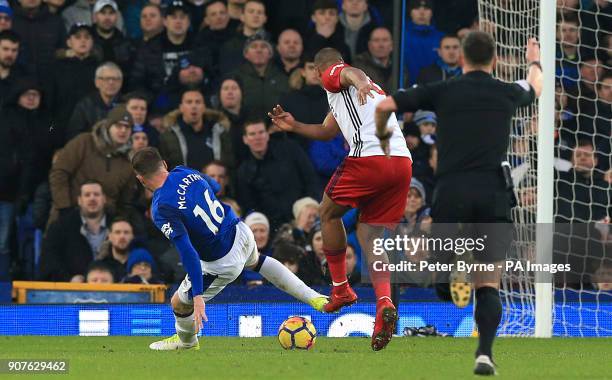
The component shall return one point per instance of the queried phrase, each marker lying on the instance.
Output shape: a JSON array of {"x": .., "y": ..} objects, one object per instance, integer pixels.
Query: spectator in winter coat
[
  {"x": 290, "y": 48},
  {"x": 158, "y": 58},
  {"x": 447, "y": 65},
  {"x": 6, "y": 16},
  {"x": 326, "y": 32},
  {"x": 358, "y": 24},
  {"x": 101, "y": 154},
  {"x": 73, "y": 76},
  {"x": 10, "y": 69},
  {"x": 196, "y": 135},
  {"x": 422, "y": 39},
  {"x": 276, "y": 174},
  {"x": 95, "y": 106},
  {"x": 109, "y": 40},
  {"x": 81, "y": 13},
  {"x": 377, "y": 61},
  {"x": 41, "y": 34},
  {"x": 72, "y": 241},
  {"x": 263, "y": 83}
]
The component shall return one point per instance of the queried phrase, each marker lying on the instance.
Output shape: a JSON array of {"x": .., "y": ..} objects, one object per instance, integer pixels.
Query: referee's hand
[
  {"x": 384, "y": 142},
  {"x": 533, "y": 50}
]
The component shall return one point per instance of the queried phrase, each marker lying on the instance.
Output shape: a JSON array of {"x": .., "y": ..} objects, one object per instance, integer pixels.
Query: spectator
[
  {"x": 10, "y": 70},
  {"x": 139, "y": 139},
  {"x": 41, "y": 33},
  {"x": 235, "y": 9},
  {"x": 218, "y": 171},
  {"x": 353, "y": 271},
  {"x": 197, "y": 135},
  {"x": 276, "y": 174},
  {"x": 219, "y": 28},
  {"x": 358, "y": 25},
  {"x": 193, "y": 72},
  {"x": 81, "y": 13},
  {"x": 24, "y": 122},
  {"x": 306, "y": 100},
  {"x": 427, "y": 122},
  {"x": 581, "y": 194},
  {"x": 593, "y": 20},
  {"x": 417, "y": 219},
  {"x": 305, "y": 213},
  {"x": 136, "y": 105},
  {"x": 312, "y": 266},
  {"x": 141, "y": 268},
  {"x": 95, "y": 106},
  {"x": 259, "y": 225},
  {"x": 567, "y": 51},
  {"x": 114, "y": 46},
  {"x": 158, "y": 58},
  {"x": 422, "y": 38},
  {"x": 230, "y": 97},
  {"x": 447, "y": 65},
  {"x": 326, "y": 32},
  {"x": 6, "y": 16},
  {"x": 73, "y": 76},
  {"x": 114, "y": 252},
  {"x": 290, "y": 48},
  {"x": 263, "y": 83},
  {"x": 151, "y": 21},
  {"x": 289, "y": 255},
  {"x": 377, "y": 61},
  {"x": 72, "y": 241},
  {"x": 101, "y": 154},
  {"x": 99, "y": 273},
  {"x": 253, "y": 20}
]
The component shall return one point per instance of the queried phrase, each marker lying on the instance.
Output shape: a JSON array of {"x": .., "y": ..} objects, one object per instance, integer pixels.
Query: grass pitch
[{"x": 339, "y": 358}]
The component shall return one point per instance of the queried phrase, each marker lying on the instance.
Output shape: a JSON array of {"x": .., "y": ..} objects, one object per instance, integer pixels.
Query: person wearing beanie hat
[
  {"x": 140, "y": 268},
  {"x": 260, "y": 226},
  {"x": 426, "y": 121},
  {"x": 6, "y": 16},
  {"x": 90, "y": 155},
  {"x": 305, "y": 212},
  {"x": 417, "y": 217}
]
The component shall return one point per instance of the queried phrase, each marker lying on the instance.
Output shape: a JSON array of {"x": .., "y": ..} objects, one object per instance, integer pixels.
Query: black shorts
[{"x": 474, "y": 205}]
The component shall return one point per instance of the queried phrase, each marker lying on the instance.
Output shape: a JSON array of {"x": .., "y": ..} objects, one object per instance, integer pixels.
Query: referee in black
[{"x": 474, "y": 120}]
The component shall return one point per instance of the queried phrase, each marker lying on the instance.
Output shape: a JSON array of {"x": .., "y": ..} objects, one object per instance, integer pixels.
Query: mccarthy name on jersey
[
  {"x": 186, "y": 204},
  {"x": 357, "y": 122}
]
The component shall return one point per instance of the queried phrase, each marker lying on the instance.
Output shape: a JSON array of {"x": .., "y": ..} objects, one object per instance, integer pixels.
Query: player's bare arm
[
  {"x": 534, "y": 75},
  {"x": 384, "y": 133},
  {"x": 285, "y": 121},
  {"x": 351, "y": 76}
]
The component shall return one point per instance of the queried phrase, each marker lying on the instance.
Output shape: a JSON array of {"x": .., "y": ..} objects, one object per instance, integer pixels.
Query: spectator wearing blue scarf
[{"x": 447, "y": 65}]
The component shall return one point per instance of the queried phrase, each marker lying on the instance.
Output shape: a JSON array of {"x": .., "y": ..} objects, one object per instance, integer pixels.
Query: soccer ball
[{"x": 297, "y": 333}]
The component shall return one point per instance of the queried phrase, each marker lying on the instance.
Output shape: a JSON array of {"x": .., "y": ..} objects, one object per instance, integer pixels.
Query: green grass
[{"x": 338, "y": 359}]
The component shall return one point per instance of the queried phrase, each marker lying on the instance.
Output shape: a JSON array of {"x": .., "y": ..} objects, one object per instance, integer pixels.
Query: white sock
[
  {"x": 185, "y": 329},
  {"x": 285, "y": 280}
]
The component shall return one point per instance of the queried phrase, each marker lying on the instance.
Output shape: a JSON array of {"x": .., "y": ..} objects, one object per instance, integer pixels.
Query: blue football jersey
[{"x": 186, "y": 204}]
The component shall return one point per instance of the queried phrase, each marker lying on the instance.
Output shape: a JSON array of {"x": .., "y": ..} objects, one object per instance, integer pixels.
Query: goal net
[{"x": 581, "y": 303}]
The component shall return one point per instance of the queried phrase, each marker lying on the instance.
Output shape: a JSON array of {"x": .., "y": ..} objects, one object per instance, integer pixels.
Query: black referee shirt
[{"x": 474, "y": 118}]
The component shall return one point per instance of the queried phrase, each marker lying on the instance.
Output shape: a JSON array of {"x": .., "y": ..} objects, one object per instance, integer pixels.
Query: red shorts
[{"x": 378, "y": 186}]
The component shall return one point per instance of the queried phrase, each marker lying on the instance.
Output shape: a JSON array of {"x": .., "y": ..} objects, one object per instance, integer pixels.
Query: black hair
[{"x": 479, "y": 48}]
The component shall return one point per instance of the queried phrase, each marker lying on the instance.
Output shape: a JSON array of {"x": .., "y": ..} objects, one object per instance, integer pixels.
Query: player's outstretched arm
[
  {"x": 191, "y": 263},
  {"x": 383, "y": 112},
  {"x": 351, "y": 76},
  {"x": 285, "y": 121},
  {"x": 534, "y": 75}
]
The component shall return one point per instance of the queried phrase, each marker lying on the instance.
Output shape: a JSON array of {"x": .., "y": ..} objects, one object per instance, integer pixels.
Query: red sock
[
  {"x": 381, "y": 281},
  {"x": 336, "y": 261}
]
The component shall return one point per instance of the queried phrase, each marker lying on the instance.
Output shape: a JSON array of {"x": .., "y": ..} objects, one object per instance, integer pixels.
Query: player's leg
[
  {"x": 487, "y": 314},
  {"x": 334, "y": 247},
  {"x": 185, "y": 337},
  {"x": 380, "y": 210},
  {"x": 278, "y": 274}
]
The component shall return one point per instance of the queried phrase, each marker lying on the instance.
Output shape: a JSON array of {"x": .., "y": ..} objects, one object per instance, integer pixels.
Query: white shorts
[{"x": 219, "y": 273}]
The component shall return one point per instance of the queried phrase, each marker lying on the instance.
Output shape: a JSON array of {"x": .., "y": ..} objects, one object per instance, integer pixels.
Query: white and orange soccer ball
[{"x": 297, "y": 333}]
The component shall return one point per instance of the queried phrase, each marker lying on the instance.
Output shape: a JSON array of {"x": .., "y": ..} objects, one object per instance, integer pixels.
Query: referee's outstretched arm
[{"x": 420, "y": 97}]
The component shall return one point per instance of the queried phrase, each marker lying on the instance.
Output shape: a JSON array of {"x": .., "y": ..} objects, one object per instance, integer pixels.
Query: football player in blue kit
[{"x": 214, "y": 245}]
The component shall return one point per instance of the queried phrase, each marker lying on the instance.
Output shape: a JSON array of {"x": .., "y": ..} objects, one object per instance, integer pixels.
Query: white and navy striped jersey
[{"x": 357, "y": 122}]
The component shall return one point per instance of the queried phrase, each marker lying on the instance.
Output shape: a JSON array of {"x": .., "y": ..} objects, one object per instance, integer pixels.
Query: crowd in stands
[{"x": 86, "y": 83}]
